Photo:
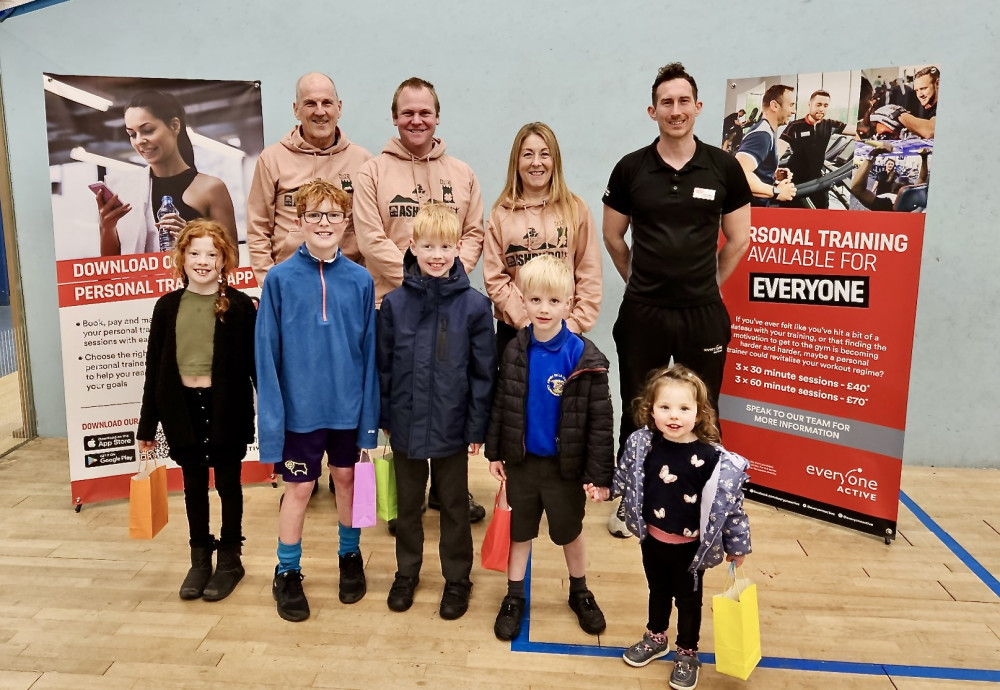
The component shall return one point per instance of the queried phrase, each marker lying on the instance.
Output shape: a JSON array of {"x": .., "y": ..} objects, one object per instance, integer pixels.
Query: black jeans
[
  {"x": 455, "y": 547},
  {"x": 669, "y": 581}
]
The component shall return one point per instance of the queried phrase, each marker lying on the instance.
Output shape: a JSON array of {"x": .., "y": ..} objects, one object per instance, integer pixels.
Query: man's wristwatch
[{"x": 775, "y": 191}]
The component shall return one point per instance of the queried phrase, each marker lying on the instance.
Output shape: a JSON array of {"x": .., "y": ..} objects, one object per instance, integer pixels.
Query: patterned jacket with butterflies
[{"x": 725, "y": 528}]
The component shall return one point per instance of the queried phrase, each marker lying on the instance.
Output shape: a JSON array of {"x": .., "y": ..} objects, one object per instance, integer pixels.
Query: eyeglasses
[{"x": 332, "y": 217}]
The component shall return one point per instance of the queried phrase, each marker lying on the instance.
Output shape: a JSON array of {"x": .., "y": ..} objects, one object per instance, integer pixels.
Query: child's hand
[
  {"x": 496, "y": 469},
  {"x": 738, "y": 560},
  {"x": 597, "y": 493},
  {"x": 474, "y": 448}
]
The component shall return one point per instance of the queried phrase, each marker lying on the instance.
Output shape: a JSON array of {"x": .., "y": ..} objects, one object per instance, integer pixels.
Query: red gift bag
[{"x": 496, "y": 543}]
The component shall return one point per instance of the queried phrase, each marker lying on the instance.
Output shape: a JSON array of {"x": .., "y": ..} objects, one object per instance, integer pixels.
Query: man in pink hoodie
[
  {"x": 412, "y": 169},
  {"x": 315, "y": 148}
]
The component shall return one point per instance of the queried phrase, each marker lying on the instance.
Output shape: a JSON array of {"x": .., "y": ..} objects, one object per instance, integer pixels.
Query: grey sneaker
[
  {"x": 616, "y": 522},
  {"x": 645, "y": 650},
  {"x": 685, "y": 673}
]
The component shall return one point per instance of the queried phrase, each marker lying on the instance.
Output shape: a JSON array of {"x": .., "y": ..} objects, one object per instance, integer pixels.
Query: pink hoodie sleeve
[
  {"x": 382, "y": 258},
  {"x": 499, "y": 283},
  {"x": 472, "y": 228},
  {"x": 260, "y": 220},
  {"x": 587, "y": 271}
]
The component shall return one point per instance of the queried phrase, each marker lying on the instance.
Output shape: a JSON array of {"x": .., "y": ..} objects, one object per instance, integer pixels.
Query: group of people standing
[{"x": 368, "y": 321}]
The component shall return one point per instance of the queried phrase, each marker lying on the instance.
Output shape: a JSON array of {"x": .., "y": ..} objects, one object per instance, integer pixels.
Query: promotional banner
[
  {"x": 129, "y": 141},
  {"x": 824, "y": 301}
]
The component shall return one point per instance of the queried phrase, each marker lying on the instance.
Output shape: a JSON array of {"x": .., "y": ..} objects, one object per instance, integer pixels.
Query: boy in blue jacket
[
  {"x": 317, "y": 387},
  {"x": 437, "y": 363}
]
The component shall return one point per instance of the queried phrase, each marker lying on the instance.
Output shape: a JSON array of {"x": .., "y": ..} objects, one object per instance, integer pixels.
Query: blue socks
[
  {"x": 289, "y": 556},
  {"x": 350, "y": 539}
]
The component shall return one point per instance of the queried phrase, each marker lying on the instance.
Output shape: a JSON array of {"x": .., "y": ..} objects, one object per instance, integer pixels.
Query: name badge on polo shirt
[
  {"x": 702, "y": 193},
  {"x": 804, "y": 133}
]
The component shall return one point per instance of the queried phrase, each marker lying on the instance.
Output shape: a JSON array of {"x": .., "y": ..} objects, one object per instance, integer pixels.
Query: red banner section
[
  {"x": 93, "y": 281},
  {"x": 818, "y": 369}
]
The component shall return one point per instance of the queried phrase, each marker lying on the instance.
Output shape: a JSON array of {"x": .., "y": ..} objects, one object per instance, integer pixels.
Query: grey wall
[{"x": 584, "y": 67}]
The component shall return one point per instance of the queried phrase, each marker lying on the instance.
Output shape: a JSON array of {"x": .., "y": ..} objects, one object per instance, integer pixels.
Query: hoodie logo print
[{"x": 345, "y": 183}]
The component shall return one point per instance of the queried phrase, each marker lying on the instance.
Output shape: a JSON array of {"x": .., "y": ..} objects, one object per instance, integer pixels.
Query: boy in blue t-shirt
[
  {"x": 437, "y": 363},
  {"x": 550, "y": 438},
  {"x": 317, "y": 385}
]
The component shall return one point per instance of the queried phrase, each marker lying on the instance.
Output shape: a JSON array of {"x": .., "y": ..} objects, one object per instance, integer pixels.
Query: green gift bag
[{"x": 385, "y": 485}]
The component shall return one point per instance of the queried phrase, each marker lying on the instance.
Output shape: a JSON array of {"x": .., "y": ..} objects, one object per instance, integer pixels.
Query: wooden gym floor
[{"x": 82, "y": 606}]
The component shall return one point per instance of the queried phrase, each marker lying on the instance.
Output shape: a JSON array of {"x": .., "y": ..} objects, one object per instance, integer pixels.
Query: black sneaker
[
  {"x": 401, "y": 593},
  {"x": 476, "y": 511},
  {"x": 352, "y": 578},
  {"x": 455, "y": 599},
  {"x": 587, "y": 611},
  {"x": 287, "y": 591},
  {"x": 508, "y": 623}
]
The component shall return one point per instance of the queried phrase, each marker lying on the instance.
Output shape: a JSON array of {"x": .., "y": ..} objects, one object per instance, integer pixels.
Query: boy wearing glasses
[{"x": 317, "y": 386}]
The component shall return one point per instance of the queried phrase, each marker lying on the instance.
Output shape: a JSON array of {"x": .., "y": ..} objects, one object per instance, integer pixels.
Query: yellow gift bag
[
  {"x": 147, "y": 502},
  {"x": 737, "y": 626}
]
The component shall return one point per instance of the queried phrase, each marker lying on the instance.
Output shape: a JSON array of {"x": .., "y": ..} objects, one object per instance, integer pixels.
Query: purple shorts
[{"x": 302, "y": 456}]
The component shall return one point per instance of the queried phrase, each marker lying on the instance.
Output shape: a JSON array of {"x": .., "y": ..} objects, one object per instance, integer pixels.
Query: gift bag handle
[
  {"x": 501, "y": 498},
  {"x": 146, "y": 458}
]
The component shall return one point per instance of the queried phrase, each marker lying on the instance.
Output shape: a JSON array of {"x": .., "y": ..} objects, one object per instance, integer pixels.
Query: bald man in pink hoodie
[{"x": 315, "y": 148}]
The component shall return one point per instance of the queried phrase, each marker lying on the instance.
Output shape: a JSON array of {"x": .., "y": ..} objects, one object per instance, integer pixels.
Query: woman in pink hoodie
[{"x": 537, "y": 214}]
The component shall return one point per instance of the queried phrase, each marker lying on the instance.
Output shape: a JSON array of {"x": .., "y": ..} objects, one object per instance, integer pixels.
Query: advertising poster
[
  {"x": 111, "y": 138},
  {"x": 823, "y": 303}
]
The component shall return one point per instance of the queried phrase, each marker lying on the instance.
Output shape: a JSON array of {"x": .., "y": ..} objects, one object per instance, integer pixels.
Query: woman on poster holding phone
[{"x": 157, "y": 129}]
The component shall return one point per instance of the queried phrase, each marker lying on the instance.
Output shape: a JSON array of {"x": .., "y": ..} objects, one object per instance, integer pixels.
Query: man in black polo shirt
[
  {"x": 809, "y": 137},
  {"x": 676, "y": 194}
]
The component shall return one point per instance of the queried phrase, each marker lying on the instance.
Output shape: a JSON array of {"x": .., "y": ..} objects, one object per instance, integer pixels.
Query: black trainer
[
  {"x": 508, "y": 623},
  {"x": 352, "y": 578},
  {"x": 401, "y": 593},
  {"x": 287, "y": 591},
  {"x": 587, "y": 611},
  {"x": 476, "y": 511},
  {"x": 455, "y": 599}
]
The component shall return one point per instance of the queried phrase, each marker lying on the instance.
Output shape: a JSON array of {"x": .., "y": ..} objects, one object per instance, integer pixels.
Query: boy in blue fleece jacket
[
  {"x": 317, "y": 385},
  {"x": 437, "y": 364}
]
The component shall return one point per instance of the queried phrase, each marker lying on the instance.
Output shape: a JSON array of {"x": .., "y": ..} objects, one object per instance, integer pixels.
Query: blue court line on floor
[
  {"x": 953, "y": 546},
  {"x": 522, "y": 643}
]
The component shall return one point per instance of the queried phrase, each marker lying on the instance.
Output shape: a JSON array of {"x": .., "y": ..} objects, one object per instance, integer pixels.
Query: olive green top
[{"x": 195, "y": 334}]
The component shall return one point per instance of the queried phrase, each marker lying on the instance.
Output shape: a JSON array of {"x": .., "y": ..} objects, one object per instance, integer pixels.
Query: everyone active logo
[{"x": 851, "y": 483}]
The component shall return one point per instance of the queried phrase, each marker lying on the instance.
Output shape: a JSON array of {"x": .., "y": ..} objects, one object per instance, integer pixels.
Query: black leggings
[
  {"x": 195, "y": 462},
  {"x": 230, "y": 490},
  {"x": 669, "y": 581}
]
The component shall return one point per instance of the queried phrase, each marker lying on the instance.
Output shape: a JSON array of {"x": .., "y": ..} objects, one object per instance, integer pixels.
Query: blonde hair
[
  {"x": 436, "y": 221},
  {"x": 705, "y": 426},
  {"x": 546, "y": 274},
  {"x": 562, "y": 201},
  {"x": 204, "y": 227},
  {"x": 316, "y": 192}
]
